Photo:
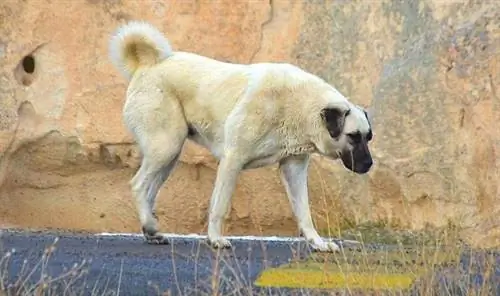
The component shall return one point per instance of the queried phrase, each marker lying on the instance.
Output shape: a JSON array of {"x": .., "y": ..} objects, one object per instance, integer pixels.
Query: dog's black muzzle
[{"x": 359, "y": 160}]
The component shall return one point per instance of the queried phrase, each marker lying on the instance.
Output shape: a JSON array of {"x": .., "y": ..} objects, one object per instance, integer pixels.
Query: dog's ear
[
  {"x": 334, "y": 119},
  {"x": 367, "y": 117},
  {"x": 369, "y": 136}
]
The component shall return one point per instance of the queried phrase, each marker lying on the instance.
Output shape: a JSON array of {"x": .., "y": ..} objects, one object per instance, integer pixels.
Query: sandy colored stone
[{"x": 428, "y": 70}]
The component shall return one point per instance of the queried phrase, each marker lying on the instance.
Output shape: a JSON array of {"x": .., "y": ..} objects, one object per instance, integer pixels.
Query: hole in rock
[
  {"x": 26, "y": 70},
  {"x": 28, "y": 63}
]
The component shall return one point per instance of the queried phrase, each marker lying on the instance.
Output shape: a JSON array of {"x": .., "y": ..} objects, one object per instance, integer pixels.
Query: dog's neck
[{"x": 307, "y": 148}]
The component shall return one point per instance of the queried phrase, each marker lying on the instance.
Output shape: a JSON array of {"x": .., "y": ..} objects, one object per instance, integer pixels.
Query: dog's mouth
[
  {"x": 347, "y": 160},
  {"x": 359, "y": 165}
]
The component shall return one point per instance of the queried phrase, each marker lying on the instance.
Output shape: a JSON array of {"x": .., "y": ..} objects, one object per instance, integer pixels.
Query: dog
[{"x": 247, "y": 115}]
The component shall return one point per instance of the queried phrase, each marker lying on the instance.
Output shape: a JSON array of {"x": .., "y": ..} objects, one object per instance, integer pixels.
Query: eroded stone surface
[{"x": 427, "y": 69}]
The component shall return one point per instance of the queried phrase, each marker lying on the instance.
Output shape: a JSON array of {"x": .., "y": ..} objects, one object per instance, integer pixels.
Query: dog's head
[{"x": 346, "y": 134}]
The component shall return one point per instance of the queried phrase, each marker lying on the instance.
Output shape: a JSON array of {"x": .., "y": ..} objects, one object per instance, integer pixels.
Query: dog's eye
[{"x": 356, "y": 138}]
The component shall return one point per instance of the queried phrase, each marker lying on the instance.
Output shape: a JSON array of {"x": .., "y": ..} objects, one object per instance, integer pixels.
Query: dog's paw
[
  {"x": 154, "y": 238},
  {"x": 325, "y": 247},
  {"x": 219, "y": 243},
  {"x": 157, "y": 240}
]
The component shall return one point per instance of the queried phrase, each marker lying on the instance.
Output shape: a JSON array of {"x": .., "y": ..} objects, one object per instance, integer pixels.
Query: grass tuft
[{"x": 415, "y": 263}]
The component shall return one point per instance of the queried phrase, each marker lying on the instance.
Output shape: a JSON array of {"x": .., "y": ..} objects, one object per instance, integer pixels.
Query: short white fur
[{"x": 248, "y": 116}]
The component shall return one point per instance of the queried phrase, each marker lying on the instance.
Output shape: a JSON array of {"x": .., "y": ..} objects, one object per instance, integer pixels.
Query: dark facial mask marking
[{"x": 334, "y": 120}]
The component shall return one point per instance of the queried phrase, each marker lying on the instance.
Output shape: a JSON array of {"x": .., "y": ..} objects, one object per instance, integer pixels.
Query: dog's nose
[
  {"x": 365, "y": 166},
  {"x": 368, "y": 163}
]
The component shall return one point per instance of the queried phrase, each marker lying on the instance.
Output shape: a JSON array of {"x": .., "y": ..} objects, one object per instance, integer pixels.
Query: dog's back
[
  {"x": 208, "y": 95},
  {"x": 139, "y": 48}
]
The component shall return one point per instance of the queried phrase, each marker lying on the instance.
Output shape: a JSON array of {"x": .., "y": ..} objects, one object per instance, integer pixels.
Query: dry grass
[
  {"x": 396, "y": 262},
  {"x": 430, "y": 263},
  {"x": 34, "y": 279}
]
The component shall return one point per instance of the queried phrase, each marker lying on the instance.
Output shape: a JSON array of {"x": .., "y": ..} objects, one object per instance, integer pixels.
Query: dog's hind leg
[
  {"x": 158, "y": 124},
  {"x": 293, "y": 172},
  {"x": 155, "y": 169}
]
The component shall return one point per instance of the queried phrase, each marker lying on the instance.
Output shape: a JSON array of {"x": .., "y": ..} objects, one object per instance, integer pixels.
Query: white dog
[{"x": 248, "y": 116}]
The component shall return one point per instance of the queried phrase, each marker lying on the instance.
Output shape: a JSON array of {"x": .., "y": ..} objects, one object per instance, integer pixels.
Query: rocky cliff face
[{"x": 428, "y": 70}]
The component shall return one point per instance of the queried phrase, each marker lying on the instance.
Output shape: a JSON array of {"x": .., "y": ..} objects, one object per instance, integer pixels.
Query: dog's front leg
[
  {"x": 293, "y": 172},
  {"x": 225, "y": 183}
]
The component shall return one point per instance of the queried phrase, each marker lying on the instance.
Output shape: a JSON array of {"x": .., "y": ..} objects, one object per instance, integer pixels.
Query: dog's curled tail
[{"x": 137, "y": 44}]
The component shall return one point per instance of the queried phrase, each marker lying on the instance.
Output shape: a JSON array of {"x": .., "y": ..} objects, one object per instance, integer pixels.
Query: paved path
[
  {"x": 126, "y": 264},
  {"x": 187, "y": 266}
]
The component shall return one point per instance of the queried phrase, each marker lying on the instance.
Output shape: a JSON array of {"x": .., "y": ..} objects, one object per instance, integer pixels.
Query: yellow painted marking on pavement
[
  {"x": 294, "y": 278},
  {"x": 373, "y": 270}
]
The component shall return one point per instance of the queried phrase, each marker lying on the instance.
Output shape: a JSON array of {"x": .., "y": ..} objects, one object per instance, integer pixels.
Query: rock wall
[{"x": 428, "y": 69}]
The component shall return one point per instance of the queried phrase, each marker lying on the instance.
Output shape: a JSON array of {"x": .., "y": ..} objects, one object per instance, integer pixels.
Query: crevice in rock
[
  {"x": 11, "y": 147},
  {"x": 262, "y": 29}
]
